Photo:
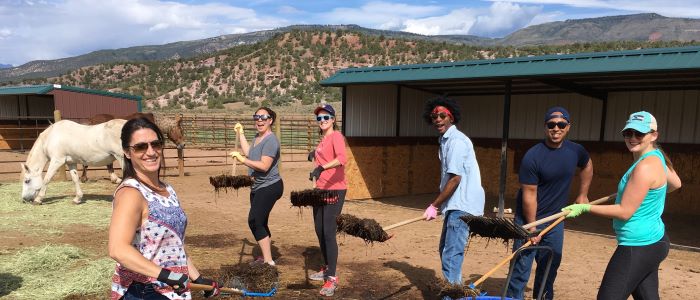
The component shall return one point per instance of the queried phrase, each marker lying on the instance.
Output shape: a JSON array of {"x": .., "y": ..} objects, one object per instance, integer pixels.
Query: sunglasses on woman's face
[
  {"x": 140, "y": 148},
  {"x": 261, "y": 117},
  {"x": 561, "y": 125},
  {"x": 320, "y": 118},
  {"x": 631, "y": 132},
  {"x": 442, "y": 115}
]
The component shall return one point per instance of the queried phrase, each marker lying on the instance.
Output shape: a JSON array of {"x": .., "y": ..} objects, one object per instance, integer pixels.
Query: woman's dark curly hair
[{"x": 442, "y": 101}]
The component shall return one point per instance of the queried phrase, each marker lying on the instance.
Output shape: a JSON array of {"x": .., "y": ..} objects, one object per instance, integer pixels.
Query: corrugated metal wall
[
  {"x": 371, "y": 111},
  {"x": 81, "y": 106},
  {"x": 12, "y": 106},
  {"x": 8, "y": 106},
  {"x": 527, "y": 115},
  {"x": 676, "y": 113}
]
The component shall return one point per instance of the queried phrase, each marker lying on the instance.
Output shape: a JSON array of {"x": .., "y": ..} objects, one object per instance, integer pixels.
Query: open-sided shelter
[
  {"x": 393, "y": 152},
  {"x": 26, "y": 110}
]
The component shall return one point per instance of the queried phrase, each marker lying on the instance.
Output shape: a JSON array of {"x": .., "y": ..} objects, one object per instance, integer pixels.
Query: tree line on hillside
[{"x": 287, "y": 68}]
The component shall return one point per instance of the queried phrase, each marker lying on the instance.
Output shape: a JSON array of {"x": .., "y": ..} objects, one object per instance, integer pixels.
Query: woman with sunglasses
[
  {"x": 147, "y": 229},
  {"x": 263, "y": 160},
  {"x": 330, "y": 159},
  {"x": 641, "y": 194}
]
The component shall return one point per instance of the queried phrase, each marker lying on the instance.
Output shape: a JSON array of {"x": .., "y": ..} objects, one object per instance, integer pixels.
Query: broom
[
  {"x": 368, "y": 229},
  {"x": 231, "y": 181},
  {"x": 505, "y": 228}
]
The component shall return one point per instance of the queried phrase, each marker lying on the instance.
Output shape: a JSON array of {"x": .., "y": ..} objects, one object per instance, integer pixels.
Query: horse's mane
[{"x": 166, "y": 124}]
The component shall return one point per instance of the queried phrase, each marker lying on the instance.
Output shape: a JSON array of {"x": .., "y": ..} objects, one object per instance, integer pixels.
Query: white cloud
[
  {"x": 4, "y": 33},
  {"x": 675, "y": 8},
  {"x": 64, "y": 28},
  {"x": 503, "y": 18},
  {"x": 456, "y": 22},
  {"x": 381, "y": 15},
  {"x": 499, "y": 19},
  {"x": 289, "y": 10}
]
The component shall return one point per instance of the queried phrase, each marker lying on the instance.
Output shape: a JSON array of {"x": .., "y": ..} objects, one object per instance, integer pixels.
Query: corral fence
[{"x": 208, "y": 139}]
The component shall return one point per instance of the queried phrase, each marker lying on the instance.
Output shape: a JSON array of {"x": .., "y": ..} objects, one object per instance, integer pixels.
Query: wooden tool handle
[
  {"x": 235, "y": 148},
  {"x": 507, "y": 259},
  {"x": 416, "y": 219},
  {"x": 563, "y": 213},
  {"x": 205, "y": 287}
]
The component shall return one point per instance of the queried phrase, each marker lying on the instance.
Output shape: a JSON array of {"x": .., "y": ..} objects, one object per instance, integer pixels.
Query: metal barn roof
[
  {"x": 587, "y": 73},
  {"x": 45, "y": 89}
]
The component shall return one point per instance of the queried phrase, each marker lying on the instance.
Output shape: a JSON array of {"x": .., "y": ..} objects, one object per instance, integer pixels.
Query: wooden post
[
  {"x": 61, "y": 173},
  {"x": 181, "y": 162}
]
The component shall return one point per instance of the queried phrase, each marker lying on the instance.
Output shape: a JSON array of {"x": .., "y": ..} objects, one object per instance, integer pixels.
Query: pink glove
[{"x": 430, "y": 213}]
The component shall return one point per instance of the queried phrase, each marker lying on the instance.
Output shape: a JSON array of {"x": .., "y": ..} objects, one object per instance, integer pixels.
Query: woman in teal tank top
[{"x": 641, "y": 195}]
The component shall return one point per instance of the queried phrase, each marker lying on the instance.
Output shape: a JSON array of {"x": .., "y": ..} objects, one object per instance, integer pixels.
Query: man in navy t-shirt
[{"x": 545, "y": 178}]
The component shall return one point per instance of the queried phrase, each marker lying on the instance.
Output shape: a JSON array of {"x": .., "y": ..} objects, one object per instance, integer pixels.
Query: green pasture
[{"x": 54, "y": 271}]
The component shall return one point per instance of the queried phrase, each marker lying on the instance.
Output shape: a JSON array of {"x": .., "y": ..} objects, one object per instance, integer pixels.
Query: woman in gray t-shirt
[{"x": 263, "y": 159}]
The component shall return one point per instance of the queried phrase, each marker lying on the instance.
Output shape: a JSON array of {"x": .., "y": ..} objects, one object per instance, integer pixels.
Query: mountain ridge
[{"x": 636, "y": 27}]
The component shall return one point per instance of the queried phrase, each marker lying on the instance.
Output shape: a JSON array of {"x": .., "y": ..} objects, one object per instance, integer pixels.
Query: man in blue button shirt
[
  {"x": 460, "y": 185},
  {"x": 545, "y": 176}
]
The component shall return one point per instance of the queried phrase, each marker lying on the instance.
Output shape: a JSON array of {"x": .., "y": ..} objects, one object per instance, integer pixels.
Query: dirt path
[{"x": 402, "y": 268}]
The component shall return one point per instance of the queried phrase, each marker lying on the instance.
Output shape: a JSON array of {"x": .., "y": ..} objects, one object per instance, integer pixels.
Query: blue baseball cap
[
  {"x": 641, "y": 121},
  {"x": 326, "y": 107},
  {"x": 556, "y": 112}
]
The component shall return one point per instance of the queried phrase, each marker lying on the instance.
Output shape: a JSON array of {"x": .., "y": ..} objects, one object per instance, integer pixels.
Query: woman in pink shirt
[{"x": 330, "y": 159}]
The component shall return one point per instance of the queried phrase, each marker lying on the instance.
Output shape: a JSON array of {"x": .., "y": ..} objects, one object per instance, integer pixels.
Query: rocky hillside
[
  {"x": 640, "y": 27},
  {"x": 286, "y": 69}
]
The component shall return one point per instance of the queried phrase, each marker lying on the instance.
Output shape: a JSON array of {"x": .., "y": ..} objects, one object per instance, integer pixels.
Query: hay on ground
[
  {"x": 454, "y": 291},
  {"x": 254, "y": 277},
  {"x": 226, "y": 182},
  {"x": 367, "y": 229}
]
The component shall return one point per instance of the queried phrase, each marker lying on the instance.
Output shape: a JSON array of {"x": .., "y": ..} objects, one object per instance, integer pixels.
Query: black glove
[
  {"x": 311, "y": 156},
  {"x": 206, "y": 281},
  {"x": 316, "y": 173},
  {"x": 178, "y": 281}
]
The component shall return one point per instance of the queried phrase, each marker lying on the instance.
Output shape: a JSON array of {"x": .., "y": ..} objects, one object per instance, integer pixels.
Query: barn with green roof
[{"x": 393, "y": 152}]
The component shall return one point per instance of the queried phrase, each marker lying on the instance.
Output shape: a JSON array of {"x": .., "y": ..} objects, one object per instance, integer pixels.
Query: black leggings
[
  {"x": 261, "y": 202},
  {"x": 324, "y": 221},
  {"x": 634, "y": 270}
]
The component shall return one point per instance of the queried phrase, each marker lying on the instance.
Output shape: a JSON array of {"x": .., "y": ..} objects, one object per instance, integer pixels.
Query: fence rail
[{"x": 298, "y": 135}]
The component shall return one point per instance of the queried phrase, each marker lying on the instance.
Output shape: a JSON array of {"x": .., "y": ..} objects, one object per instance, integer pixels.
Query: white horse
[{"x": 70, "y": 143}]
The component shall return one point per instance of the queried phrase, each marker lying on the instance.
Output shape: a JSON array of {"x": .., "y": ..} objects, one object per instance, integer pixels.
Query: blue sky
[{"x": 51, "y": 29}]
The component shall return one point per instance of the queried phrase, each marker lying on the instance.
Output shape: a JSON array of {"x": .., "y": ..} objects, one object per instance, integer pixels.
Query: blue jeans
[
  {"x": 453, "y": 240},
  {"x": 140, "y": 291},
  {"x": 521, "y": 272}
]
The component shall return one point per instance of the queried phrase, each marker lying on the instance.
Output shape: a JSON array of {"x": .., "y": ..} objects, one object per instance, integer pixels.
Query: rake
[
  {"x": 231, "y": 181},
  {"x": 368, "y": 229},
  {"x": 505, "y": 228}
]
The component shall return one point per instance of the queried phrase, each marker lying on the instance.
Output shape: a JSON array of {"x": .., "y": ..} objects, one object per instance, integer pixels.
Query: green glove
[{"x": 576, "y": 209}]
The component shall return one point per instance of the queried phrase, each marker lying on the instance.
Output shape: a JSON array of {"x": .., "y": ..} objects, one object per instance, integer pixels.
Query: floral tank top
[{"x": 160, "y": 239}]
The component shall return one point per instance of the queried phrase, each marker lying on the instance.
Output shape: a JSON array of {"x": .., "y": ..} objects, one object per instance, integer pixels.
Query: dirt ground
[{"x": 402, "y": 268}]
